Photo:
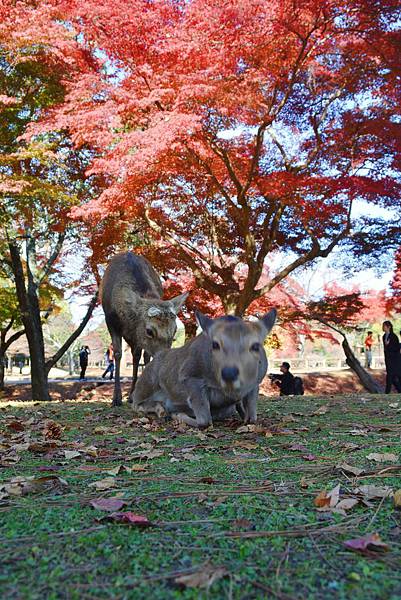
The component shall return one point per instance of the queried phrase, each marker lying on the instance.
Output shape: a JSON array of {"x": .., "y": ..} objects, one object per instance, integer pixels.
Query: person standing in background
[
  {"x": 368, "y": 349},
  {"x": 392, "y": 357},
  {"x": 109, "y": 358},
  {"x": 83, "y": 360}
]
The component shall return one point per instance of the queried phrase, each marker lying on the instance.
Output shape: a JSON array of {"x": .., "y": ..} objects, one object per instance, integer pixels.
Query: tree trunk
[
  {"x": 30, "y": 312},
  {"x": 364, "y": 377},
  {"x": 2, "y": 371}
]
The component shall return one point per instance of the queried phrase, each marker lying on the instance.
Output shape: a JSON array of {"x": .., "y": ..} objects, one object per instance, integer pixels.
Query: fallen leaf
[
  {"x": 298, "y": 448},
  {"x": 371, "y": 492},
  {"x": 203, "y": 578},
  {"x": 89, "y": 468},
  {"x": 49, "y": 468},
  {"x": 20, "y": 486},
  {"x": 309, "y": 457},
  {"x": 242, "y": 524},
  {"x": 136, "y": 468},
  {"x": 328, "y": 499},
  {"x": 52, "y": 430},
  {"x": 209, "y": 480},
  {"x": 322, "y": 410},
  {"x": 245, "y": 429},
  {"x": 361, "y": 432},
  {"x": 41, "y": 448},
  {"x": 16, "y": 426},
  {"x": 104, "y": 484},
  {"x": 349, "y": 469},
  {"x": 397, "y": 499},
  {"x": 149, "y": 454},
  {"x": 114, "y": 471},
  {"x": 109, "y": 504},
  {"x": 245, "y": 444},
  {"x": 191, "y": 456},
  {"x": 367, "y": 543},
  {"x": 69, "y": 454},
  {"x": 128, "y": 518},
  {"x": 386, "y": 457},
  {"x": 347, "y": 503}
]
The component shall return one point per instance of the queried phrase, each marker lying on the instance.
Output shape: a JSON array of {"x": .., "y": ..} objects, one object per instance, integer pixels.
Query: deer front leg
[
  {"x": 117, "y": 346},
  {"x": 249, "y": 405},
  {"x": 199, "y": 402},
  {"x": 136, "y": 357}
]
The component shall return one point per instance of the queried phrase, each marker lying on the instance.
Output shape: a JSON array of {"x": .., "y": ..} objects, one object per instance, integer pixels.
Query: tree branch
[
  {"x": 13, "y": 338},
  {"x": 53, "y": 257},
  {"x": 200, "y": 276}
]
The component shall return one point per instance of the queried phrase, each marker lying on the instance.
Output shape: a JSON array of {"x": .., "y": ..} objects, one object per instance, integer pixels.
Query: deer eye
[
  {"x": 255, "y": 347},
  {"x": 216, "y": 346},
  {"x": 149, "y": 332}
]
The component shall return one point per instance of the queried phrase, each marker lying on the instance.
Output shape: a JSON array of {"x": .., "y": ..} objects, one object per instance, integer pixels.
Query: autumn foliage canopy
[{"x": 229, "y": 135}]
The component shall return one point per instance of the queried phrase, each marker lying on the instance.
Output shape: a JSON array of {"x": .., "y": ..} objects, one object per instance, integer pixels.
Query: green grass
[{"x": 53, "y": 545}]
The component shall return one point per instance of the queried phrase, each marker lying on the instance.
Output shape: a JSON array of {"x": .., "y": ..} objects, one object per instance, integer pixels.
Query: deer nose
[{"x": 229, "y": 373}]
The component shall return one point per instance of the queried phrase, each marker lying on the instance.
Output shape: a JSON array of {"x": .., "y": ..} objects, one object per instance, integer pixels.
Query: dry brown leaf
[
  {"x": 69, "y": 454},
  {"x": 349, "y": 469},
  {"x": 191, "y": 456},
  {"x": 20, "y": 486},
  {"x": 16, "y": 425},
  {"x": 245, "y": 444},
  {"x": 203, "y": 578},
  {"x": 367, "y": 544},
  {"x": 322, "y": 410},
  {"x": 135, "y": 468},
  {"x": 52, "y": 430},
  {"x": 149, "y": 454},
  {"x": 114, "y": 471},
  {"x": 385, "y": 457},
  {"x": 397, "y": 499},
  {"x": 245, "y": 429},
  {"x": 346, "y": 504},
  {"x": 104, "y": 484},
  {"x": 328, "y": 500},
  {"x": 370, "y": 492}
]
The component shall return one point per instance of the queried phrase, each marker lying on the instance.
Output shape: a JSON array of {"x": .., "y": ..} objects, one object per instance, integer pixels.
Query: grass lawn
[{"x": 233, "y": 512}]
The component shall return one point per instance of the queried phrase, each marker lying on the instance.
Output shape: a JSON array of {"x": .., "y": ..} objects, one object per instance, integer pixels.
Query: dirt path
[{"x": 316, "y": 384}]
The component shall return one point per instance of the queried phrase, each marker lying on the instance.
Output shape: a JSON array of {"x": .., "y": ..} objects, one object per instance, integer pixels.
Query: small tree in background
[{"x": 40, "y": 181}]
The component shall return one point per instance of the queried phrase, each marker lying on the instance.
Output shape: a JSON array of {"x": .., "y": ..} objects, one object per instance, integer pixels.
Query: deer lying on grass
[
  {"x": 209, "y": 376},
  {"x": 131, "y": 298}
]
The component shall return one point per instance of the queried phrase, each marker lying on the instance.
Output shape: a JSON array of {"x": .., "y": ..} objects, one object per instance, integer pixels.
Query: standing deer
[
  {"x": 209, "y": 376},
  {"x": 131, "y": 293}
]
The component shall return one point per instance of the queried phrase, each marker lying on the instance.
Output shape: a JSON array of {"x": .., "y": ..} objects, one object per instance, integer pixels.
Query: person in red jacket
[{"x": 368, "y": 349}]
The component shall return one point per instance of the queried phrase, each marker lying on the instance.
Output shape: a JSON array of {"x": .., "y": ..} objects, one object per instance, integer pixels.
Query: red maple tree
[{"x": 237, "y": 133}]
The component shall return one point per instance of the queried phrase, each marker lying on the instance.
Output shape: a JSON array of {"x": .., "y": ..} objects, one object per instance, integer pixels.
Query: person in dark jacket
[
  {"x": 285, "y": 380},
  {"x": 83, "y": 360},
  {"x": 392, "y": 357}
]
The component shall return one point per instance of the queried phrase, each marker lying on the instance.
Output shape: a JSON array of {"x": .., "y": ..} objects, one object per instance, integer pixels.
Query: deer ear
[
  {"x": 203, "y": 321},
  {"x": 267, "y": 321},
  {"x": 177, "y": 302}
]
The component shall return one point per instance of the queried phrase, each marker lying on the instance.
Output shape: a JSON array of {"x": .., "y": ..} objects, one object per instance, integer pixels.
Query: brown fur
[
  {"x": 191, "y": 382},
  {"x": 131, "y": 298}
]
